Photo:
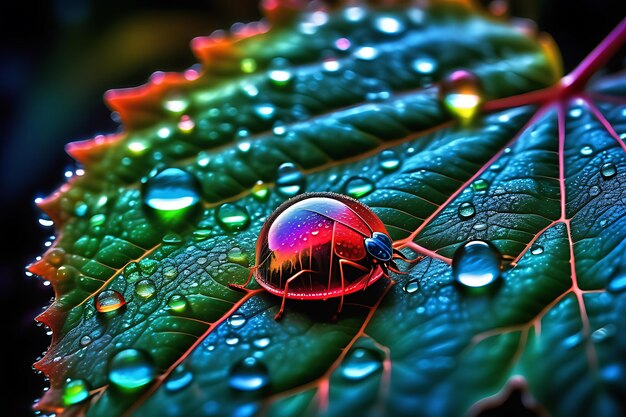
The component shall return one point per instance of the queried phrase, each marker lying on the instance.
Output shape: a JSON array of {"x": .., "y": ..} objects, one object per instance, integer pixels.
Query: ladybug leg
[
  {"x": 343, "y": 262},
  {"x": 242, "y": 287},
  {"x": 399, "y": 255},
  {"x": 279, "y": 315}
]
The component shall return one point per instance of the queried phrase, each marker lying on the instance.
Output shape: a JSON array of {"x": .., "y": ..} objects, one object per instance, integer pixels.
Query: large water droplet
[
  {"x": 466, "y": 210},
  {"x": 359, "y": 364},
  {"x": 476, "y": 263},
  {"x": 608, "y": 170},
  {"x": 389, "y": 160},
  {"x": 461, "y": 94},
  {"x": 171, "y": 192},
  {"x": 131, "y": 370},
  {"x": 289, "y": 180},
  {"x": 232, "y": 217},
  {"x": 179, "y": 379},
  {"x": 177, "y": 303},
  {"x": 249, "y": 374},
  {"x": 357, "y": 187},
  {"x": 75, "y": 391},
  {"x": 109, "y": 300},
  {"x": 236, "y": 321},
  {"x": 145, "y": 288}
]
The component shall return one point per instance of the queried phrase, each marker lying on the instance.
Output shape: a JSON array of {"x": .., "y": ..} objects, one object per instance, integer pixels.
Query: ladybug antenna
[{"x": 394, "y": 268}]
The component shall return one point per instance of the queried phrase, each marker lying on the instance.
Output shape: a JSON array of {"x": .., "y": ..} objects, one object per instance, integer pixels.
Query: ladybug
[{"x": 319, "y": 246}]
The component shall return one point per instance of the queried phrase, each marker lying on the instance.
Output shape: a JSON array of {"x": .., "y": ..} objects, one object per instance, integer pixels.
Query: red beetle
[{"x": 322, "y": 245}]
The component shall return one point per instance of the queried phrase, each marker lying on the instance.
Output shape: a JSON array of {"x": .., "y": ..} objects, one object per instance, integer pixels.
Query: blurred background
[{"x": 58, "y": 57}]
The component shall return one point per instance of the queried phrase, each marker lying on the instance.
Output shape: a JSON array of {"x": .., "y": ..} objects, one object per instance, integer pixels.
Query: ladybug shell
[{"x": 313, "y": 232}]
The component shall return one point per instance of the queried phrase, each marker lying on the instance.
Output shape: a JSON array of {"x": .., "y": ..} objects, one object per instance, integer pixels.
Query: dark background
[{"x": 57, "y": 59}]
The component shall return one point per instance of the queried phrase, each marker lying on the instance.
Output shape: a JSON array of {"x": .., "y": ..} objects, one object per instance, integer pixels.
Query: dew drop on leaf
[
  {"x": 236, "y": 321},
  {"x": 232, "y": 217},
  {"x": 280, "y": 77},
  {"x": 85, "y": 341},
  {"x": 171, "y": 192},
  {"x": 264, "y": 111},
  {"x": 260, "y": 191},
  {"x": 536, "y": 249},
  {"x": 177, "y": 303},
  {"x": 131, "y": 369},
  {"x": 97, "y": 220},
  {"x": 232, "y": 340},
  {"x": 248, "y": 65},
  {"x": 388, "y": 25},
  {"x": 411, "y": 286},
  {"x": 172, "y": 239},
  {"x": 75, "y": 391},
  {"x": 425, "y": 65},
  {"x": 55, "y": 256},
  {"x": 586, "y": 150},
  {"x": 176, "y": 103},
  {"x": 261, "y": 342},
  {"x": 618, "y": 283},
  {"x": 289, "y": 180},
  {"x": 66, "y": 272},
  {"x": 178, "y": 379},
  {"x": 476, "y": 264},
  {"x": 145, "y": 288},
  {"x": 109, "y": 300},
  {"x": 594, "y": 191},
  {"x": 461, "y": 94},
  {"x": 357, "y": 187},
  {"x": 249, "y": 374},
  {"x": 466, "y": 210},
  {"x": 359, "y": 364},
  {"x": 480, "y": 185},
  {"x": 389, "y": 160},
  {"x": 603, "y": 333},
  {"x": 608, "y": 170}
]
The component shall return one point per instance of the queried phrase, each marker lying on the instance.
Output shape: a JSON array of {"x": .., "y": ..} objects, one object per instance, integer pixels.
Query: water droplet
[
  {"x": 480, "y": 226},
  {"x": 265, "y": 111},
  {"x": 97, "y": 220},
  {"x": 75, "y": 391},
  {"x": 466, "y": 210},
  {"x": 608, "y": 170},
  {"x": 389, "y": 160},
  {"x": 249, "y": 374},
  {"x": 178, "y": 379},
  {"x": 236, "y": 321},
  {"x": 359, "y": 364},
  {"x": 389, "y": 25},
  {"x": 232, "y": 217},
  {"x": 354, "y": 13},
  {"x": 331, "y": 65},
  {"x": 232, "y": 340},
  {"x": 131, "y": 370},
  {"x": 618, "y": 283},
  {"x": 425, "y": 65},
  {"x": 85, "y": 341},
  {"x": 366, "y": 53},
  {"x": 55, "y": 256},
  {"x": 109, "y": 300},
  {"x": 235, "y": 255},
  {"x": 576, "y": 112},
  {"x": 171, "y": 192},
  {"x": 476, "y": 263},
  {"x": 172, "y": 239},
  {"x": 461, "y": 94},
  {"x": 357, "y": 187},
  {"x": 280, "y": 77},
  {"x": 289, "y": 180},
  {"x": 145, "y": 288},
  {"x": 603, "y": 333},
  {"x": 186, "y": 124},
  {"x": 536, "y": 249},
  {"x": 411, "y": 286},
  {"x": 586, "y": 150},
  {"x": 260, "y": 191},
  {"x": 248, "y": 65},
  {"x": 244, "y": 146},
  {"x": 177, "y": 303},
  {"x": 261, "y": 342},
  {"x": 480, "y": 185},
  {"x": 176, "y": 103},
  {"x": 137, "y": 147},
  {"x": 594, "y": 191}
]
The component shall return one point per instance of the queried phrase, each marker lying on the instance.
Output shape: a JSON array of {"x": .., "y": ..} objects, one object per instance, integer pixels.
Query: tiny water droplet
[
  {"x": 55, "y": 256},
  {"x": 280, "y": 77},
  {"x": 594, "y": 191},
  {"x": 389, "y": 160},
  {"x": 466, "y": 210},
  {"x": 265, "y": 111},
  {"x": 232, "y": 340},
  {"x": 131, "y": 370},
  {"x": 75, "y": 391},
  {"x": 236, "y": 321},
  {"x": 145, "y": 288},
  {"x": 618, "y": 283},
  {"x": 357, "y": 187},
  {"x": 97, "y": 220},
  {"x": 586, "y": 150},
  {"x": 536, "y": 249},
  {"x": 178, "y": 379},
  {"x": 388, "y": 25},
  {"x": 260, "y": 191},
  {"x": 461, "y": 94},
  {"x": 248, "y": 65},
  {"x": 85, "y": 341},
  {"x": 608, "y": 170},
  {"x": 366, "y": 53},
  {"x": 232, "y": 217},
  {"x": 576, "y": 112},
  {"x": 411, "y": 286},
  {"x": 176, "y": 103},
  {"x": 66, "y": 272},
  {"x": 359, "y": 364},
  {"x": 249, "y": 374},
  {"x": 289, "y": 180},
  {"x": 476, "y": 263},
  {"x": 480, "y": 226},
  {"x": 261, "y": 343},
  {"x": 480, "y": 185},
  {"x": 171, "y": 191},
  {"x": 603, "y": 333},
  {"x": 186, "y": 124},
  {"x": 109, "y": 300},
  {"x": 172, "y": 239},
  {"x": 177, "y": 303},
  {"x": 425, "y": 65}
]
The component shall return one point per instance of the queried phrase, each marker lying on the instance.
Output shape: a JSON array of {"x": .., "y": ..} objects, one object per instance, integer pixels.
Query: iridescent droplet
[
  {"x": 145, "y": 288},
  {"x": 411, "y": 286},
  {"x": 109, "y": 300},
  {"x": 608, "y": 170},
  {"x": 461, "y": 94},
  {"x": 289, "y": 180},
  {"x": 171, "y": 192},
  {"x": 260, "y": 191},
  {"x": 131, "y": 370},
  {"x": 466, "y": 210},
  {"x": 586, "y": 150},
  {"x": 236, "y": 321},
  {"x": 178, "y": 379},
  {"x": 357, "y": 187},
  {"x": 75, "y": 391},
  {"x": 480, "y": 185},
  {"x": 359, "y": 364},
  {"x": 249, "y": 374},
  {"x": 476, "y": 263},
  {"x": 389, "y": 160},
  {"x": 536, "y": 249},
  {"x": 232, "y": 217},
  {"x": 177, "y": 303}
]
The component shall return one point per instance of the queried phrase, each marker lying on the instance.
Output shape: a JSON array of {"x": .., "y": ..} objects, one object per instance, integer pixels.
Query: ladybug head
[{"x": 379, "y": 246}]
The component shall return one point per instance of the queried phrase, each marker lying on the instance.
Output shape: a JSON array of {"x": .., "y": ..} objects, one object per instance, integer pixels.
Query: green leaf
[{"x": 339, "y": 98}]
